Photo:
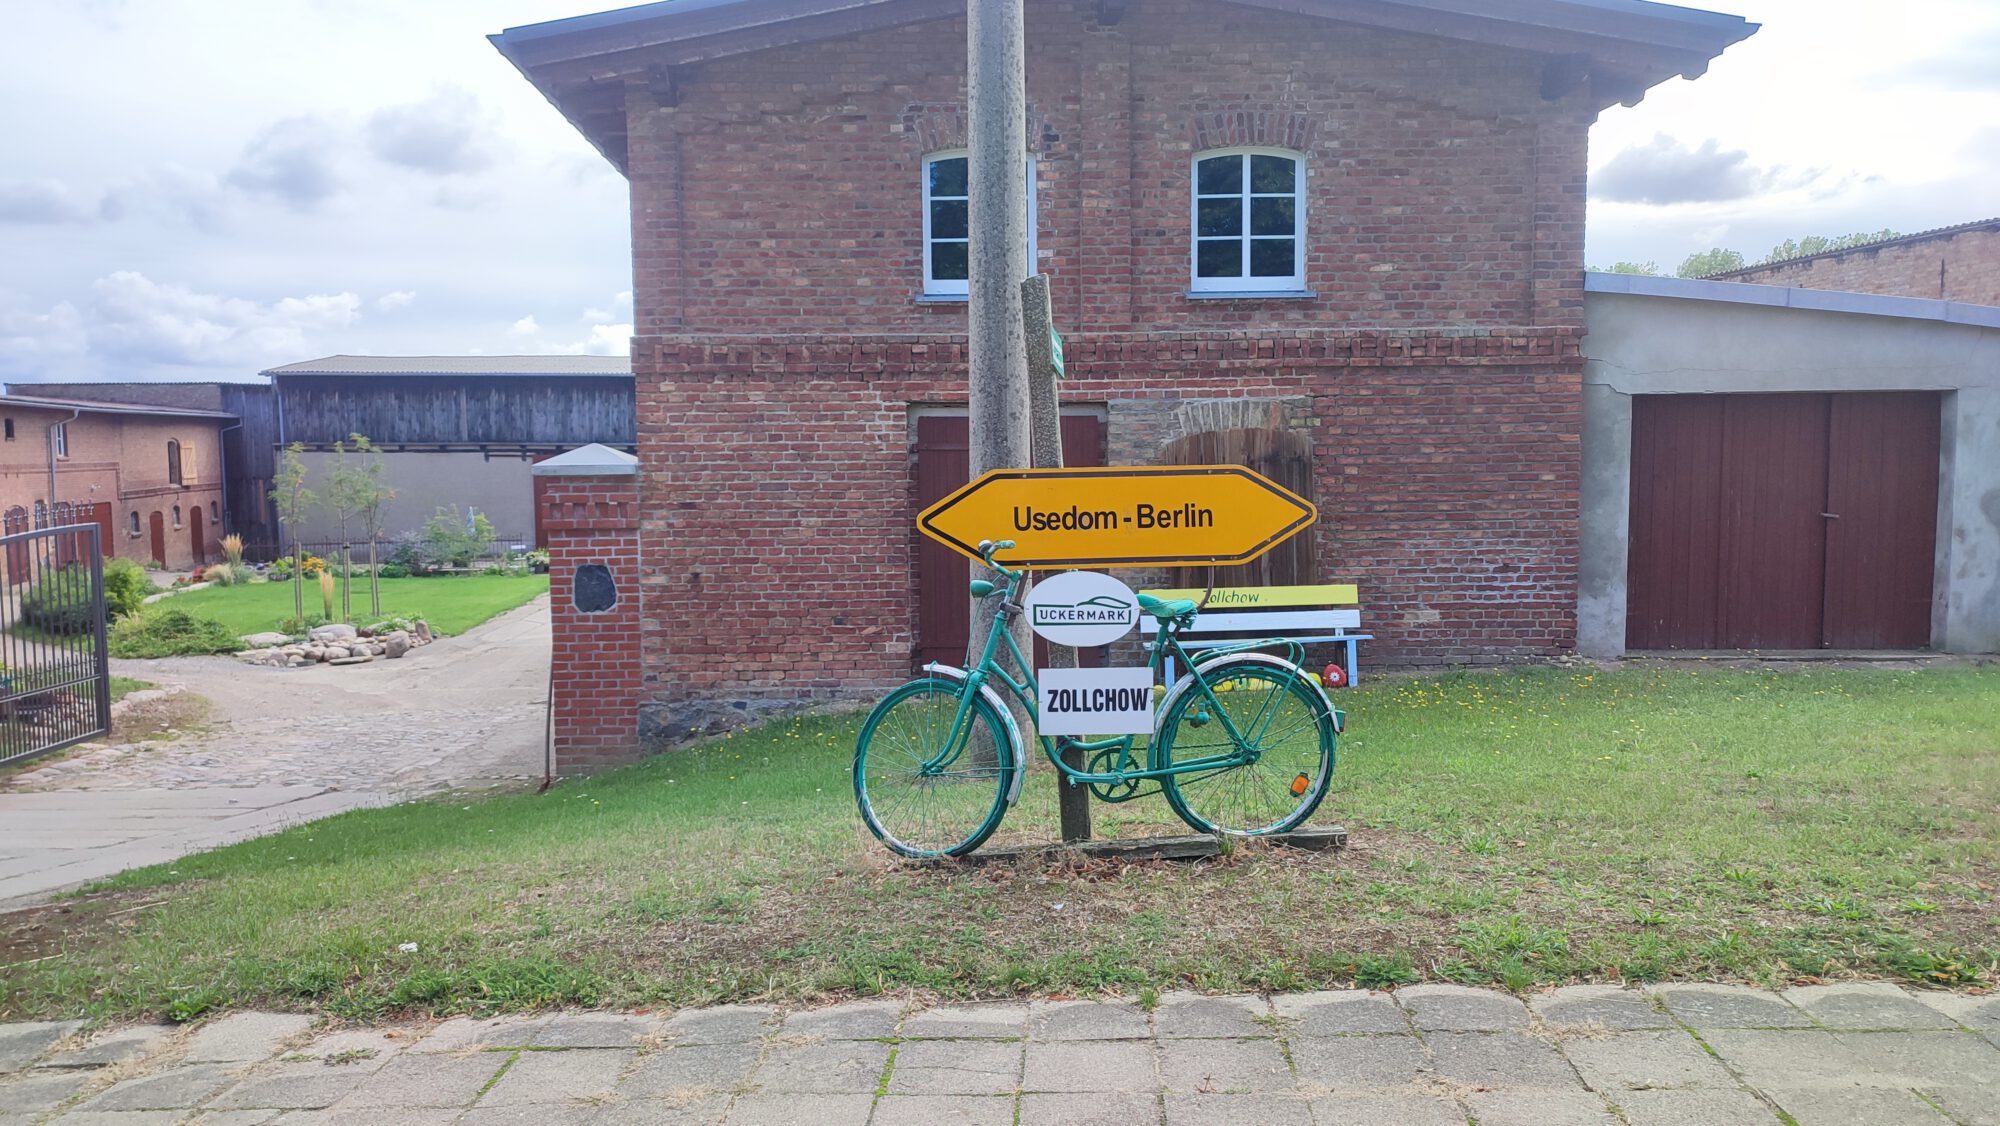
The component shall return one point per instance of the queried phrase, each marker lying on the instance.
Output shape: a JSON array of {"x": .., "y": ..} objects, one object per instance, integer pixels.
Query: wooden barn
[{"x": 456, "y": 430}]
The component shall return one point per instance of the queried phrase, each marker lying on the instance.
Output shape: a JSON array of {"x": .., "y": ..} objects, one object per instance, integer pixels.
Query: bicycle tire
[
  {"x": 1284, "y": 717},
  {"x": 949, "y": 813}
]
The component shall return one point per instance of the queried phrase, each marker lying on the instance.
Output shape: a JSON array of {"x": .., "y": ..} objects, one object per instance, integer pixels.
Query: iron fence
[{"x": 55, "y": 678}]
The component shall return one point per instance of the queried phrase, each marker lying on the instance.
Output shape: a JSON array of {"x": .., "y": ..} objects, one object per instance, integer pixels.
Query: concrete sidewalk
[{"x": 1689, "y": 1055}]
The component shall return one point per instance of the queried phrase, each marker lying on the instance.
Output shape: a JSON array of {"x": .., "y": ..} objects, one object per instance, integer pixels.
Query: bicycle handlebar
[{"x": 988, "y": 547}]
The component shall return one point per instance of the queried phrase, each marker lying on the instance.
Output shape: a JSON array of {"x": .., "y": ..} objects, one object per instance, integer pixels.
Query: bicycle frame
[{"x": 1026, "y": 691}]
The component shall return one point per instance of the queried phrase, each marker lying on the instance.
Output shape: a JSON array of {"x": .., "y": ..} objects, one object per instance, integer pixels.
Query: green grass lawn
[
  {"x": 451, "y": 604},
  {"x": 123, "y": 686},
  {"x": 1529, "y": 826}
]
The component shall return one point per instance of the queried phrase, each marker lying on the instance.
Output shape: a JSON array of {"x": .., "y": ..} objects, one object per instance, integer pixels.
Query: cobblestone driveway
[
  {"x": 281, "y": 746},
  {"x": 1692, "y": 1055}
]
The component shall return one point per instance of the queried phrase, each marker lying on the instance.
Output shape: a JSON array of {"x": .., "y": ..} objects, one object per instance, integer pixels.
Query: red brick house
[
  {"x": 1356, "y": 225},
  {"x": 151, "y": 476}
]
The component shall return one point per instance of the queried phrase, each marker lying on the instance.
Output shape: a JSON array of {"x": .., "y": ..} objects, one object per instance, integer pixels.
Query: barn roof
[
  {"x": 584, "y": 64},
  {"x": 460, "y": 365},
  {"x": 87, "y": 406}
]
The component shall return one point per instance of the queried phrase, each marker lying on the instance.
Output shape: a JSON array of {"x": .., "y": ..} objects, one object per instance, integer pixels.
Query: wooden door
[
  {"x": 195, "y": 539},
  {"x": 100, "y": 514},
  {"x": 1881, "y": 527},
  {"x": 1281, "y": 455},
  {"x": 1773, "y": 538},
  {"x": 943, "y": 463},
  {"x": 159, "y": 528},
  {"x": 1796, "y": 521}
]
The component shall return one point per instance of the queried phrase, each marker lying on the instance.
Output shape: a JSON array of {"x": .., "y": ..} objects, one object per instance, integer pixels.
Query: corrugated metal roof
[
  {"x": 88, "y": 406},
  {"x": 458, "y": 365},
  {"x": 1899, "y": 240}
]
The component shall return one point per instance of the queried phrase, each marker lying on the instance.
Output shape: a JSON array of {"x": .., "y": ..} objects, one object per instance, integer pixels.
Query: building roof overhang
[
  {"x": 585, "y": 65},
  {"x": 87, "y": 406}
]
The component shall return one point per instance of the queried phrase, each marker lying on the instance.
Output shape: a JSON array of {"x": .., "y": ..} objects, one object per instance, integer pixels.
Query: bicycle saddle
[{"x": 1166, "y": 609}]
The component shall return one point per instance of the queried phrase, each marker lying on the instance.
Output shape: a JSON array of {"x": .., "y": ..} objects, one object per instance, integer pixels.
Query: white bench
[{"x": 1311, "y": 615}]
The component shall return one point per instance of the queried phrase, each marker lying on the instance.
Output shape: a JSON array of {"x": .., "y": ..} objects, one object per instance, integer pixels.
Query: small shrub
[
  {"x": 495, "y": 569},
  {"x": 453, "y": 538},
  {"x": 166, "y": 632},
  {"x": 326, "y": 591},
  {"x": 393, "y": 571},
  {"x": 280, "y": 571},
  {"x": 220, "y": 575},
  {"x": 312, "y": 565},
  {"x": 125, "y": 587},
  {"x": 61, "y": 602},
  {"x": 232, "y": 549}
]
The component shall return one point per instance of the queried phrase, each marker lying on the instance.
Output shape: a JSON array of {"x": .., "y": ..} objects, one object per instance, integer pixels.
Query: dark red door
[
  {"x": 943, "y": 463},
  {"x": 195, "y": 539},
  {"x": 1881, "y": 527},
  {"x": 1782, "y": 521},
  {"x": 159, "y": 526}
]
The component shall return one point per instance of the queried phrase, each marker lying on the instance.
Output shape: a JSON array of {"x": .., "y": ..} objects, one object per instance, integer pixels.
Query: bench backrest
[{"x": 1325, "y": 608}]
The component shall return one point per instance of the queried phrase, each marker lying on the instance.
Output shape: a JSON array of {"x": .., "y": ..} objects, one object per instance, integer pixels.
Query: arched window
[
  {"x": 174, "y": 465},
  {"x": 948, "y": 223},
  {"x": 41, "y": 514},
  {"x": 134, "y": 522},
  {"x": 1249, "y": 219},
  {"x": 214, "y": 512},
  {"x": 177, "y": 516}
]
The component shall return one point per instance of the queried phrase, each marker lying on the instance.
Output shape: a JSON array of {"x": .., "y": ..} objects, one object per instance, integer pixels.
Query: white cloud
[
  {"x": 394, "y": 300},
  {"x": 607, "y": 335},
  {"x": 130, "y": 319},
  {"x": 526, "y": 326},
  {"x": 291, "y": 161},
  {"x": 45, "y": 201},
  {"x": 445, "y": 134}
]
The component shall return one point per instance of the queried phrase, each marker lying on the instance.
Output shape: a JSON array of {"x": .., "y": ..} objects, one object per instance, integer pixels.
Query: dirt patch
[{"x": 56, "y": 930}]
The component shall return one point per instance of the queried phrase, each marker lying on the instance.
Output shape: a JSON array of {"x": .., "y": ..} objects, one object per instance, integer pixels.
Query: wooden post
[
  {"x": 997, "y": 383},
  {"x": 1045, "y": 410}
]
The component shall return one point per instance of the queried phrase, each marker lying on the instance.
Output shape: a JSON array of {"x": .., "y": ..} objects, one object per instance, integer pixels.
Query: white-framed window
[
  {"x": 948, "y": 223},
  {"x": 1249, "y": 221},
  {"x": 59, "y": 438}
]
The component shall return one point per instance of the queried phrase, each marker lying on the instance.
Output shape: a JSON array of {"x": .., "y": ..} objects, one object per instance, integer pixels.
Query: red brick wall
[
  {"x": 783, "y": 194},
  {"x": 1958, "y": 267},
  {"x": 778, "y": 508},
  {"x": 596, "y": 673},
  {"x": 776, "y": 225}
]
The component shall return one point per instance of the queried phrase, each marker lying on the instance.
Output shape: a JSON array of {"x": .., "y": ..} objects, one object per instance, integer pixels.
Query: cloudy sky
[{"x": 198, "y": 189}]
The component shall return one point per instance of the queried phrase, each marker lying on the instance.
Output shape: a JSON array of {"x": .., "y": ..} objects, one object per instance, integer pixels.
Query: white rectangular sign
[{"x": 1095, "y": 701}]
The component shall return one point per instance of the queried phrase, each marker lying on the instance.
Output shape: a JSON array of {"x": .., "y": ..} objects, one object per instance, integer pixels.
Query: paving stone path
[
  {"x": 282, "y": 746},
  {"x": 1686, "y": 1055}
]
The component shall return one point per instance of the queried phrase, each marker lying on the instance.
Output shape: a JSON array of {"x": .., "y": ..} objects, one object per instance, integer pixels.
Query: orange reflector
[{"x": 1299, "y": 785}]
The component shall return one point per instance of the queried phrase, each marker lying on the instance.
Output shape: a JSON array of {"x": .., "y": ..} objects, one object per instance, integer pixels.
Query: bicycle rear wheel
[
  {"x": 1282, "y": 764},
  {"x": 916, "y": 796}
]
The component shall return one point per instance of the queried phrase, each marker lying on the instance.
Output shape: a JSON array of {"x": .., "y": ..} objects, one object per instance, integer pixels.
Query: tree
[
  {"x": 341, "y": 499},
  {"x": 358, "y": 488},
  {"x": 293, "y": 499},
  {"x": 1643, "y": 269},
  {"x": 1710, "y": 262}
]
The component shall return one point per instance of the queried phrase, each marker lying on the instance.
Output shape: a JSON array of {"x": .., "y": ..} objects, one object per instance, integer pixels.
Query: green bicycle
[{"x": 1243, "y": 743}]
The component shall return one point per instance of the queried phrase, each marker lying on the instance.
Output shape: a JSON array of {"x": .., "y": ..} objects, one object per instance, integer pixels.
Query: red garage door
[
  {"x": 944, "y": 610},
  {"x": 1782, "y": 521}
]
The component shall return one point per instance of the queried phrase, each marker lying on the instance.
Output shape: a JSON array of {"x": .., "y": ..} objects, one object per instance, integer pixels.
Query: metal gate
[{"x": 55, "y": 681}]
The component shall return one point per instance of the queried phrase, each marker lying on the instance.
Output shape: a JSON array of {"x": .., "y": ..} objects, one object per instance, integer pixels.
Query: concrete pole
[
  {"x": 997, "y": 121},
  {"x": 1045, "y": 410}
]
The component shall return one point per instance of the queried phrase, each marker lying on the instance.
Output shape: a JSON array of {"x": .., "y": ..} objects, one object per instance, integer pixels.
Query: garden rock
[
  {"x": 336, "y": 653},
  {"x": 423, "y": 632},
  {"x": 334, "y": 632},
  {"x": 265, "y": 640},
  {"x": 359, "y": 660},
  {"x": 396, "y": 644}
]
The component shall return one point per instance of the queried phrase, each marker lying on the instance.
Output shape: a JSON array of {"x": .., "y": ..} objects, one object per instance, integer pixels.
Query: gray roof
[
  {"x": 459, "y": 365},
  {"x": 1992, "y": 224},
  {"x": 1794, "y": 297},
  {"x": 87, "y": 406}
]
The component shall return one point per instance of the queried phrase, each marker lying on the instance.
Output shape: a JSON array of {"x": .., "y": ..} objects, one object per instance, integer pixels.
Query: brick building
[
  {"x": 1356, "y": 225},
  {"x": 1960, "y": 263},
  {"x": 151, "y": 475}
]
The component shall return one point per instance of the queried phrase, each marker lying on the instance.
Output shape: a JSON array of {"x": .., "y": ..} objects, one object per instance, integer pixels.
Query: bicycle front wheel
[
  {"x": 1273, "y": 770},
  {"x": 921, "y": 792}
]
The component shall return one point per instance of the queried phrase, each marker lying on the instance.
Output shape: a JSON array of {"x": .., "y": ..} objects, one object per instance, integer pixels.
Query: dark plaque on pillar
[{"x": 593, "y": 591}]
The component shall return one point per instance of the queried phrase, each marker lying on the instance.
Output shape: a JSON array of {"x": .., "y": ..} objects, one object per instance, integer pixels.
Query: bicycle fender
[
  {"x": 1186, "y": 682},
  {"x": 951, "y": 672}
]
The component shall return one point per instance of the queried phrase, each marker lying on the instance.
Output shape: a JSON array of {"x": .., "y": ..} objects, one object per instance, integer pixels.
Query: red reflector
[{"x": 1336, "y": 676}]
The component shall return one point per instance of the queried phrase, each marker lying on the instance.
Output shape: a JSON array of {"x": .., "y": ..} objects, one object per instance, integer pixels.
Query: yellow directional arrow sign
[{"x": 1151, "y": 516}]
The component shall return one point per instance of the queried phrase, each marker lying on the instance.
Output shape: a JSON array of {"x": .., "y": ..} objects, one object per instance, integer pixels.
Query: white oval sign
[{"x": 1082, "y": 609}]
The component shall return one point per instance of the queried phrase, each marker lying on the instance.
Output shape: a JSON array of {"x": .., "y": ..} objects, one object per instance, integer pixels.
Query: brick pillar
[{"x": 589, "y": 502}]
